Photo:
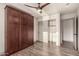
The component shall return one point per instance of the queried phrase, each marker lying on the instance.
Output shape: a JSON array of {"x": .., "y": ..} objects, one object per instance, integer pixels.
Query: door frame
[{"x": 62, "y": 32}]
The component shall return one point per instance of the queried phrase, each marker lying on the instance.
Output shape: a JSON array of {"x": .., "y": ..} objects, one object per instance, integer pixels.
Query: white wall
[
  {"x": 68, "y": 30},
  {"x": 68, "y": 15},
  {"x": 35, "y": 29},
  {"x": 2, "y": 27}
]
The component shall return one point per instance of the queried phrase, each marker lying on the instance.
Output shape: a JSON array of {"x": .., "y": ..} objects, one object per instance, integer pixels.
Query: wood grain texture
[
  {"x": 44, "y": 49},
  {"x": 19, "y": 30}
]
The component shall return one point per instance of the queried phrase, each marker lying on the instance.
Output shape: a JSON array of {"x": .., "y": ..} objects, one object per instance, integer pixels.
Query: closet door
[
  {"x": 19, "y": 30},
  {"x": 24, "y": 35},
  {"x": 30, "y": 30},
  {"x": 26, "y": 30},
  {"x": 13, "y": 21}
]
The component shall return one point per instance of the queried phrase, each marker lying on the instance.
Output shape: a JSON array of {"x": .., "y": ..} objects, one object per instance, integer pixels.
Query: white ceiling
[
  {"x": 62, "y": 8},
  {"x": 42, "y": 4},
  {"x": 50, "y": 9}
]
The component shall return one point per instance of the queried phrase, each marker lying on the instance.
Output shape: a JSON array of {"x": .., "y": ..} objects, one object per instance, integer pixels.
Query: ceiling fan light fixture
[{"x": 39, "y": 10}]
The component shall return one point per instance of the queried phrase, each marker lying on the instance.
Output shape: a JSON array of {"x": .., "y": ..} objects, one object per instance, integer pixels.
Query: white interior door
[{"x": 68, "y": 30}]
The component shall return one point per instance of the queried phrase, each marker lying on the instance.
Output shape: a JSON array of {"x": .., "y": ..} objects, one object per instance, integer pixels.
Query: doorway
[
  {"x": 43, "y": 31},
  {"x": 70, "y": 36},
  {"x": 47, "y": 31},
  {"x": 52, "y": 31}
]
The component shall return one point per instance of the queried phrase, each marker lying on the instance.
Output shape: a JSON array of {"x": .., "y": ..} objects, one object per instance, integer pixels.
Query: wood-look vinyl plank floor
[{"x": 44, "y": 49}]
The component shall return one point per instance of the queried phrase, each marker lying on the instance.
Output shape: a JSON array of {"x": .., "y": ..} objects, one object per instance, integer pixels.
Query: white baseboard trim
[{"x": 2, "y": 54}]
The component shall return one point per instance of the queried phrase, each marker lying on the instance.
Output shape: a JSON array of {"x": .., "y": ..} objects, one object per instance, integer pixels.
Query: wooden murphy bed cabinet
[{"x": 19, "y": 30}]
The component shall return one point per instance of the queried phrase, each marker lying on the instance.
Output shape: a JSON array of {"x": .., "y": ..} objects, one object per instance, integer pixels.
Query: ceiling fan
[{"x": 39, "y": 7}]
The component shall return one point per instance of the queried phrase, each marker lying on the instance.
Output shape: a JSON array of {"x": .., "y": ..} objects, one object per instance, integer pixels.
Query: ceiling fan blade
[
  {"x": 31, "y": 6},
  {"x": 44, "y": 5}
]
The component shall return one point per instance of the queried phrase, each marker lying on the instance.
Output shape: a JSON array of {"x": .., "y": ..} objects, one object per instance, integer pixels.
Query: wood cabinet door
[
  {"x": 13, "y": 21},
  {"x": 19, "y": 30},
  {"x": 26, "y": 31},
  {"x": 24, "y": 35},
  {"x": 30, "y": 30}
]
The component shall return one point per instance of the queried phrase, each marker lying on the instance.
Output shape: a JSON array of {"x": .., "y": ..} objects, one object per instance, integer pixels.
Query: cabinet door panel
[
  {"x": 26, "y": 31},
  {"x": 30, "y": 30},
  {"x": 24, "y": 34},
  {"x": 30, "y": 36},
  {"x": 19, "y": 30},
  {"x": 24, "y": 37},
  {"x": 12, "y": 31}
]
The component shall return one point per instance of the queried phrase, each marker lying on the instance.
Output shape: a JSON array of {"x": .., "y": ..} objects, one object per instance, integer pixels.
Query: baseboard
[
  {"x": 2, "y": 54},
  {"x": 38, "y": 41}
]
